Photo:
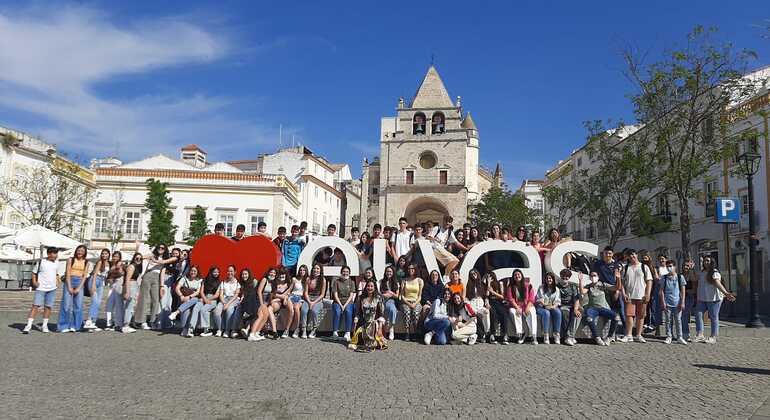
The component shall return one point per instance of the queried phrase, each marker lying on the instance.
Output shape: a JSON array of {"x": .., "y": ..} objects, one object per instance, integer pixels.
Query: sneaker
[
  {"x": 206, "y": 333},
  {"x": 347, "y": 337},
  {"x": 599, "y": 341},
  {"x": 472, "y": 339},
  {"x": 534, "y": 341},
  {"x": 556, "y": 339},
  {"x": 569, "y": 341},
  {"x": 614, "y": 338},
  {"x": 312, "y": 334},
  {"x": 68, "y": 330},
  {"x": 190, "y": 333},
  {"x": 667, "y": 340},
  {"x": 219, "y": 333},
  {"x": 504, "y": 341},
  {"x": 225, "y": 335},
  {"x": 711, "y": 340},
  {"x": 244, "y": 332},
  {"x": 639, "y": 339},
  {"x": 492, "y": 339},
  {"x": 255, "y": 337},
  {"x": 234, "y": 334},
  {"x": 296, "y": 334},
  {"x": 27, "y": 329},
  {"x": 625, "y": 339},
  {"x": 45, "y": 329},
  {"x": 110, "y": 324},
  {"x": 285, "y": 333},
  {"x": 172, "y": 316},
  {"x": 681, "y": 341},
  {"x": 428, "y": 337},
  {"x": 391, "y": 335},
  {"x": 521, "y": 339},
  {"x": 546, "y": 339},
  {"x": 648, "y": 329},
  {"x": 96, "y": 329},
  {"x": 699, "y": 339},
  {"x": 335, "y": 335},
  {"x": 109, "y": 328},
  {"x": 606, "y": 341},
  {"x": 89, "y": 325},
  {"x": 145, "y": 326},
  {"x": 127, "y": 330}
]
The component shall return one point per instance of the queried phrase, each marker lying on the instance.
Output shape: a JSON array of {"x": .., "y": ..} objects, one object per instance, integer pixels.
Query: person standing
[
  {"x": 96, "y": 288},
  {"x": 130, "y": 292},
  {"x": 711, "y": 292},
  {"x": 637, "y": 286},
  {"x": 240, "y": 233},
  {"x": 45, "y": 280},
  {"x": 672, "y": 292},
  {"x": 152, "y": 287},
  {"x": 71, "y": 311},
  {"x": 290, "y": 249},
  {"x": 402, "y": 238}
]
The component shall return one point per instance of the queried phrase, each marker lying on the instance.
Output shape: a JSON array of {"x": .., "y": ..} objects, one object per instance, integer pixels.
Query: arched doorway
[{"x": 425, "y": 209}]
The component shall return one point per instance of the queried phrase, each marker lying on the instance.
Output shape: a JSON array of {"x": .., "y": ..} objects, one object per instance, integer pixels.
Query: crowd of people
[{"x": 632, "y": 293}]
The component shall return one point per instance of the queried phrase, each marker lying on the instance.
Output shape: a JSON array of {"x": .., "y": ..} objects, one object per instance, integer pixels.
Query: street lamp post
[{"x": 750, "y": 164}]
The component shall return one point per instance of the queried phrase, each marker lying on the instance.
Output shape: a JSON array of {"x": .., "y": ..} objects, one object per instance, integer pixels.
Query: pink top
[{"x": 521, "y": 303}]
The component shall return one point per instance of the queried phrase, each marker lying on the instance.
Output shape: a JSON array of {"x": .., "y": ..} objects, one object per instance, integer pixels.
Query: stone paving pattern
[{"x": 161, "y": 375}]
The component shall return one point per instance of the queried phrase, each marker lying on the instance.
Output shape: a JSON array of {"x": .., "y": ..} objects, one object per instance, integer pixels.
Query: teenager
[
  {"x": 71, "y": 311},
  {"x": 440, "y": 240},
  {"x": 597, "y": 307},
  {"x": 410, "y": 295},
  {"x": 402, "y": 269},
  {"x": 280, "y": 237},
  {"x": 711, "y": 292},
  {"x": 476, "y": 296},
  {"x": 455, "y": 284},
  {"x": 437, "y": 320},
  {"x": 280, "y": 299},
  {"x": 463, "y": 320},
  {"x": 265, "y": 310},
  {"x": 249, "y": 300},
  {"x": 389, "y": 289},
  {"x": 152, "y": 287},
  {"x": 653, "y": 315},
  {"x": 554, "y": 239},
  {"x": 547, "y": 307},
  {"x": 130, "y": 293},
  {"x": 229, "y": 303},
  {"x": 209, "y": 301},
  {"x": 571, "y": 309},
  {"x": 314, "y": 292},
  {"x": 45, "y": 280},
  {"x": 637, "y": 286},
  {"x": 402, "y": 238},
  {"x": 240, "y": 232},
  {"x": 114, "y": 283},
  {"x": 188, "y": 289},
  {"x": 690, "y": 296},
  {"x": 390, "y": 252},
  {"x": 369, "y": 320},
  {"x": 343, "y": 296},
  {"x": 364, "y": 249},
  {"x": 290, "y": 250},
  {"x": 609, "y": 272},
  {"x": 498, "y": 308},
  {"x": 354, "y": 237},
  {"x": 458, "y": 248},
  {"x": 521, "y": 299},
  {"x": 96, "y": 288},
  {"x": 296, "y": 299},
  {"x": 672, "y": 291}
]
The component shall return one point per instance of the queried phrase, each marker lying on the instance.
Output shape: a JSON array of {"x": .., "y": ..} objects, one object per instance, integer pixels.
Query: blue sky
[{"x": 142, "y": 78}]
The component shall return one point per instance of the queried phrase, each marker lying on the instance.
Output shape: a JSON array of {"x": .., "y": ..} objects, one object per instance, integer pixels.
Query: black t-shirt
[{"x": 210, "y": 285}]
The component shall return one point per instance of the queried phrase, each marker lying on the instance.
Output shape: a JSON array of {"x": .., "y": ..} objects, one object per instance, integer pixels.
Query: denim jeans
[
  {"x": 689, "y": 308},
  {"x": 672, "y": 318},
  {"x": 391, "y": 311},
  {"x": 655, "y": 305},
  {"x": 230, "y": 317},
  {"x": 349, "y": 311},
  {"x": 593, "y": 313},
  {"x": 713, "y": 310},
  {"x": 190, "y": 310},
  {"x": 207, "y": 310},
  {"x": 317, "y": 313},
  {"x": 124, "y": 308},
  {"x": 439, "y": 327},
  {"x": 96, "y": 299},
  {"x": 573, "y": 322},
  {"x": 548, "y": 315},
  {"x": 71, "y": 311},
  {"x": 499, "y": 316}
]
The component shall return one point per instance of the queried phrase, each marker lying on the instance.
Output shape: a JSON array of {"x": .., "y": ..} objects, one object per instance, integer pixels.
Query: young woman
[
  {"x": 389, "y": 288},
  {"x": 547, "y": 307},
  {"x": 169, "y": 276},
  {"x": 437, "y": 321},
  {"x": 96, "y": 287},
  {"x": 458, "y": 248},
  {"x": 130, "y": 293},
  {"x": 521, "y": 234},
  {"x": 390, "y": 250},
  {"x": 369, "y": 320},
  {"x": 265, "y": 310},
  {"x": 249, "y": 300},
  {"x": 114, "y": 281},
  {"x": 410, "y": 293},
  {"x": 71, "y": 311},
  {"x": 455, "y": 283},
  {"x": 229, "y": 304},
  {"x": 476, "y": 296},
  {"x": 296, "y": 298},
  {"x": 189, "y": 290},
  {"x": 314, "y": 292},
  {"x": 209, "y": 301},
  {"x": 538, "y": 246},
  {"x": 361, "y": 282},
  {"x": 152, "y": 286},
  {"x": 402, "y": 268},
  {"x": 364, "y": 249},
  {"x": 711, "y": 292},
  {"x": 280, "y": 298},
  {"x": 554, "y": 239},
  {"x": 498, "y": 308},
  {"x": 521, "y": 299},
  {"x": 463, "y": 320},
  {"x": 343, "y": 295}
]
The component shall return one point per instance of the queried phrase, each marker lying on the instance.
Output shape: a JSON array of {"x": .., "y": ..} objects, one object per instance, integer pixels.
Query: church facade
[{"x": 428, "y": 165}]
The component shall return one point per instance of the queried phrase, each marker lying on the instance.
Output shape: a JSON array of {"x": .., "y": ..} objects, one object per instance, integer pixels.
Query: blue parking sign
[{"x": 728, "y": 210}]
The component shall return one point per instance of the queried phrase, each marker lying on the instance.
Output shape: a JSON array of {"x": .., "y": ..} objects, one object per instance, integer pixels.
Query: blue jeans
[
  {"x": 548, "y": 315},
  {"x": 71, "y": 311},
  {"x": 654, "y": 306},
  {"x": 231, "y": 317},
  {"x": 672, "y": 317},
  {"x": 593, "y": 313},
  {"x": 713, "y": 310},
  {"x": 349, "y": 311},
  {"x": 190, "y": 310},
  {"x": 96, "y": 299},
  {"x": 317, "y": 316},
  {"x": 205, "y": 311},
  {"x": 391, "y": 311},
  {"x": 439, "y": 327},
  {"x": 689, "y": 307},
  {"x": 44, "y": 298}
]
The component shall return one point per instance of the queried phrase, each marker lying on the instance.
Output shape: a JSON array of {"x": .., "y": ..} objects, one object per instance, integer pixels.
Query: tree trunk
[{"x": 684, "y": 227}]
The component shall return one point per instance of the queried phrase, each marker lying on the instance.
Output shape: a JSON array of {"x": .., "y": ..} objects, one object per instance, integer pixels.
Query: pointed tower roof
[
  {"x": 432, "y": 93},
  {"x": 468, "y": 122}
]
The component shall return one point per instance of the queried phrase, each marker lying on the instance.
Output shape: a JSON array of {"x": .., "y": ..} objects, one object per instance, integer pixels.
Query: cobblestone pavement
[{"x": 156, "y": 375}]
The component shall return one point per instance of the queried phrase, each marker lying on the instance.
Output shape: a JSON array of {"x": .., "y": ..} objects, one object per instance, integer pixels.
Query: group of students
[{"x": 628, "y": 291}]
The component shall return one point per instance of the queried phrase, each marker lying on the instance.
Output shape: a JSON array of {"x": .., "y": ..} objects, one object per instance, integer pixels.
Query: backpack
[{"x": 580, "y": 263}]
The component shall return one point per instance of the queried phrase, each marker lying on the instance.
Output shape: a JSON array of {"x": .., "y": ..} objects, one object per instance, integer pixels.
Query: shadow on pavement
[{"x": 756, "y": 371}]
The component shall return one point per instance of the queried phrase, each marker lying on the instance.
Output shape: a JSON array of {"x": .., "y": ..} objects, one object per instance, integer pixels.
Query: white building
[
  {"x": 228, "y": 194},
  {"x": 532, "y": 191}
]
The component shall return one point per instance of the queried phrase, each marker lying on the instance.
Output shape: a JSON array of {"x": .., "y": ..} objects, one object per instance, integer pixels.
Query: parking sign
[{"x": 728, "y": 210}]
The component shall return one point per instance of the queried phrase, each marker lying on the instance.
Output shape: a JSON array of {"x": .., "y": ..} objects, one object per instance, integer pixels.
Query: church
[{"x": 428, "y": 165}]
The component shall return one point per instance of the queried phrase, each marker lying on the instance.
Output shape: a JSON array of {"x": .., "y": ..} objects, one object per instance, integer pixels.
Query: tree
[
  {"x": 501, "y": 206},
  {"x": 683, "y": 100},
  {"x": 161, "y": 227},
  {"x": 199, "y": 226},
  {"x": 561, "y": 205},
  {"x": 115, "y": 221},
  {"x": 52, "y": 196}
]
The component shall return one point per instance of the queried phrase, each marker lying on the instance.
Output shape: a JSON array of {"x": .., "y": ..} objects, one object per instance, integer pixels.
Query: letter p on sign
[{"x": 728, "y": 210}]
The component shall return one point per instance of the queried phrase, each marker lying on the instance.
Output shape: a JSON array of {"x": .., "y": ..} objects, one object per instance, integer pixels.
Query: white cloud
[{"x": 50, "y": 62}]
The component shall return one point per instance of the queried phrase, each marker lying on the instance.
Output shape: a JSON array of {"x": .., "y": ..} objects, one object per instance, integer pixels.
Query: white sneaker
[
  {"x": 534, "y": 341},
  {"x": 504, "y": 341},
  {"x": 234, "y": 334},
  {"x": 711, "y": 340},
  {"x": 428, "y": 337},
  {"x": 27, "y": 329},
  {"x": 285, "y": 333},
  {"x": 472, "y": 339},
  {"x": 189, "y": 333},
  {"x": 599, "y": 341},
  {"x": 546, "y": 339},
  {"x": 304, "y": 334},
  {"x": 639, "y": 339},
  {"x": 606, "y": 341},
  {"x": 312, "y": 334},
  {"x": 625, "y": 339},
  {"x": 391, "y": 335},
  {"x": 110, "y": 324},
  {"x": 682, "y": 341},
  {"x": 225, "y": 335},
  {"x": 256, "y": 337},
  {"x": 614, "y": 338},
  {"x": 206, "y": 333},
  {"x": 219, "y": 333},
  {"x": 89, "y": 325},
  {"x": 68, "y": 330},
  {"x": 347, "y": 337},
  {"x": 244, "y": 332},
  {"x": 172, "y": 316},
  {"x": 556, "y": 339},
  {"x": 570, "y": 341},
  {"x": 127, "y": 330},
  {"x": 96, "y": 329},
  {"x": 145, "y": 326},
  {"x": 521, "y": 339},
  {"x": 699, "y": 339},
  {"x": 296, "y": 334},
  {"x": 335, "y": 335},
  {"x": 45, "y": 329},
  {"x": 667, "y": 340}
]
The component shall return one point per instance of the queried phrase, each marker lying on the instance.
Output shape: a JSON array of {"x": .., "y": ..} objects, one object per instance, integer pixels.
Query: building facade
[
  {"x": 532, "y": 191},
  {"x": 428, "y": 165}
]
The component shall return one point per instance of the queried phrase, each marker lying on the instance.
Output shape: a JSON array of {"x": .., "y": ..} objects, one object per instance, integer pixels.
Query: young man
[
  {"x": 597, "y": 307},
  {"x": 637, "y": 286},
  {"x": 609, "y": 272},
  {"x": 376, "y": 231},
  {"x": 240, "y": 232},
  {"x": 304, "y": 237},
  {"x": 440, "y": 240},
  {"x": 291, "y": 249},
  {"x": 278, "y": 241},
  {"x": 354, "y": 238},
  {"x": 672, "y": 293},
  {"x": 219, "y": 229},
  {"x": 416, "y": 256},
  {"x": 45, "y": 279},
  {"x": 402, "y": 238},
  {"x": 262, "y": 230},
  {"x": 570, "y": 305},
  {"x": 331, "y": 230}
]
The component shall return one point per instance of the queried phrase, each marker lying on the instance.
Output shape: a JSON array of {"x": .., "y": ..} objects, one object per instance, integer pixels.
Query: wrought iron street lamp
[{"x": 749, "y": 162}]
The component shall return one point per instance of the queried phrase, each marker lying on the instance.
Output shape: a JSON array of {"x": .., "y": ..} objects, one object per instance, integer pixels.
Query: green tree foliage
[
  {"x": 499, "y": 205},
  {"x": 199, "y": 226},
  {"x": 161, "y": 227}
]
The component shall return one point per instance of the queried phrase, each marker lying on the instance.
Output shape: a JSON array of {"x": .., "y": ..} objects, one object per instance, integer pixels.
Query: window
[
  {"x": 427, "y": 160},
  {"x": 580, "y": 161},
  {"x": 375, "y": 191},
  {"x": 442, "y": 177},
  {"x": 101, "y": 218},
  {"x": 16, "y": 222},
  {"x": 418, "y": 123},
  {"x": 227, "y": 219},
  {"x": 326, "y": 196},
  {"x": 437, "y": 123},
  {"x": 538, "y": 205},
  {"x": 132, "y": 219},
  {"x": 711, "y": 193},
  {"x": 316, "y": 190},
  {"x": 410, "y": 177},
  {"x": 744, "y": 203},
  {"x": 254, "y": 220}
]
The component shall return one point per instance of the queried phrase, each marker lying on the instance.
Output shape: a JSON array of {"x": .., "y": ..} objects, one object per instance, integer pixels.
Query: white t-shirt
[
  {"x": 402, "y": 241},
  {"x": 707, "y": 292},
  {"x": 46, "y": 275},
  {"x": 662, "y": 271},
  {"x": 229, "y": 289},
  {"x": 635, "y": 280},
  {"x": 443, "y": 238}
]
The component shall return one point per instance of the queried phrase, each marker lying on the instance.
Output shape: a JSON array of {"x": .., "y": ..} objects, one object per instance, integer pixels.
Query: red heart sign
[{"x": 257, "y": 253}]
